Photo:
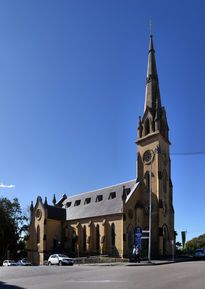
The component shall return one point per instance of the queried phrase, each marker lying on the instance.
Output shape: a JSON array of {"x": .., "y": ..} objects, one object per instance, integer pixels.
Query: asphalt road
[{"x": 187, "y": 275}]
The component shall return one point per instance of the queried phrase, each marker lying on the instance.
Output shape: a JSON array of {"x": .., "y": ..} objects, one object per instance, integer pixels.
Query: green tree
[
  {"x": 198, "y": 242},
  {"x": 12, "y": 222}
]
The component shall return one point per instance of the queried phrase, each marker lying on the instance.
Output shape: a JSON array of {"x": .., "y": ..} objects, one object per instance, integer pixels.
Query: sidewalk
[
  {"x": 151, "y": 263},
  {"x": 154, "y": 262},
  {"x": 142, "y": 263}
]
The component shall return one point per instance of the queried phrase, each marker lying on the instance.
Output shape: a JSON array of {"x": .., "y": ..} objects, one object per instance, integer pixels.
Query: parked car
[
  {"x": 60, "y": 259},
  {"x": 199, "y": 253},
  {"x": 23, "y": 262},
  {"x": 9, "y": 263}
]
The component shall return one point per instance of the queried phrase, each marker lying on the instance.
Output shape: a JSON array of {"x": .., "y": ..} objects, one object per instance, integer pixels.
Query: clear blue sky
[{"x": 72, "y": 84}]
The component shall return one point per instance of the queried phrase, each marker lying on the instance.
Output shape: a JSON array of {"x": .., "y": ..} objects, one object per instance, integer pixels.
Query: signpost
[
  {"x": 183, "y": 238},
  {"x": 172, "y": 243},
  {"x": 138, "y": 237}
]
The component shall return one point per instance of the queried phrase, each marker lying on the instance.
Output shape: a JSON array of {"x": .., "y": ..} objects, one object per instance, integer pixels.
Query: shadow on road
[{"x": 7, "y": 286}]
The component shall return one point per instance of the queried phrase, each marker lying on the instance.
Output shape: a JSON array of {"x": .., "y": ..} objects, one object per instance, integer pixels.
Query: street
[{"x": 186, "y": 275}]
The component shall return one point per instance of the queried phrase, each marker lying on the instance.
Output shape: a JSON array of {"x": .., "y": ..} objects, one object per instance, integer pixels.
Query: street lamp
[
  {"x": 150, "y": 213},
  {"x": 150, "y": 157}
]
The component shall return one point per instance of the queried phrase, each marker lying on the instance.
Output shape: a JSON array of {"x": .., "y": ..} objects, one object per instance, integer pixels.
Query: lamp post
[
  {"x": 150, "y": 213},
  {"x": 152, "y": 155}
]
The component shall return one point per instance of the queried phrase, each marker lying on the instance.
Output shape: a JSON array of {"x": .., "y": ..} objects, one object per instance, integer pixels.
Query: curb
[
  {"x": 154, "y": 263},
  {"x": 151, "y": 263}
]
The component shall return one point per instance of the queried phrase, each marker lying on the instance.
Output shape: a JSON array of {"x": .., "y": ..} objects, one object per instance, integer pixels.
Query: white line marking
[{"x": 96, "y": 281}]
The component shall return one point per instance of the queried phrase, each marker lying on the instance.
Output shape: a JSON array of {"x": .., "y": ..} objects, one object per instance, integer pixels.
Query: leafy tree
[
  {"x": 12, "y": 225},
  {"x": 198, "y": 242}
]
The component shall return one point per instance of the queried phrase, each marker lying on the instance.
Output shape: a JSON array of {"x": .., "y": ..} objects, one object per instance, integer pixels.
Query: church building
[{"x": 104, "y": 221}]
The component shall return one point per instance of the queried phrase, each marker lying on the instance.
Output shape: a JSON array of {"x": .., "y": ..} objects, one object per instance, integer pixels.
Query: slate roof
[
  {"x": 107, "y": 206},
  {"x": 56, "y": 213}
]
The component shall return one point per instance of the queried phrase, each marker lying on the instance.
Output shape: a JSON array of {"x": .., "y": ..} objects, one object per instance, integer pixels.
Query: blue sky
[{"x": 72, "y": 84}]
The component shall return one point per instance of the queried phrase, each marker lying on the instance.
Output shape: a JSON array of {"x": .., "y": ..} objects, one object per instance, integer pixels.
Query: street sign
[{"x": 138, "y": 236}]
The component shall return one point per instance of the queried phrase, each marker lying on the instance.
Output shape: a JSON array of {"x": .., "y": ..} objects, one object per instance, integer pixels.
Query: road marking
[{"x": 96, "y": 281}]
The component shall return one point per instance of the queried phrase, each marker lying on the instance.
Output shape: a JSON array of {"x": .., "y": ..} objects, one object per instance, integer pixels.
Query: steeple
[
  {"x": 153, "y": 161},
  {"x": 154, "y": 117},
  {"x": 152, "y": 94}
]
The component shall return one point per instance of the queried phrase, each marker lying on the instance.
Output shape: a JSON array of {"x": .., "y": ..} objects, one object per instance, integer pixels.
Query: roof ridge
[{"x": 93, "y": 191}]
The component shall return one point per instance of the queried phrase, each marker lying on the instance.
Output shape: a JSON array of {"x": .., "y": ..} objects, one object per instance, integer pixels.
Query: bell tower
[{"x": 153, "y": 147}]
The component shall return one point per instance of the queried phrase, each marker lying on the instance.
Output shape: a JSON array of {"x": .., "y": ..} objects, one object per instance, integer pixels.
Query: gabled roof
[
  {"x": 131, "y": 192},
  {"x": 102, "y": 202}
]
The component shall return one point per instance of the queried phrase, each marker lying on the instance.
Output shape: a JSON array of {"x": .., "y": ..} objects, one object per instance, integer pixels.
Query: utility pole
[
  {"x": 154, "y": 152},
  {"x": 150, "y": 213}
]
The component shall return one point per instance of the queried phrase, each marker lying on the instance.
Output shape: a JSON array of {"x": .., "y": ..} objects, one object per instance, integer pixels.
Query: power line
[
  {"x": 180, "y": 153},
  {"x": 189, "y": 153}
]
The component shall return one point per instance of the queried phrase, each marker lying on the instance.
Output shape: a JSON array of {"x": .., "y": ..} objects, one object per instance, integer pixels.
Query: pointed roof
[{"x": 152, "y": 94}]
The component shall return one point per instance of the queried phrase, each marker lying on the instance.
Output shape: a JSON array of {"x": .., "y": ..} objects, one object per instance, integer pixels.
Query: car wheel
[
  {"x": 49, "y": 263},
  {"x": 60, "y": 263}
]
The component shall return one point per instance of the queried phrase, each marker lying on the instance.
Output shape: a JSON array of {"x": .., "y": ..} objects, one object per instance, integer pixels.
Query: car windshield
[
  {"x": 199, "y": 250},
  {"x": 63, "y": 256},
  {"x": 11, "y": 261}
]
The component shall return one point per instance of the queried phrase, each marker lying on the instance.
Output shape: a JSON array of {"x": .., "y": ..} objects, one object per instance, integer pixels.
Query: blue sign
[{"x": 138, "y": 236}]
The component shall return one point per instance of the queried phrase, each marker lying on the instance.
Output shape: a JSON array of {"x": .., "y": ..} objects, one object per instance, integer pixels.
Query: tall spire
[
  {"x": 152, "y": 94},
  {"x": 154, "y": 118}
]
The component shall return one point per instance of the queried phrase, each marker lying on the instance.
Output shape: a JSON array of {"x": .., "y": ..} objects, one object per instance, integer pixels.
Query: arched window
[
  {"x": 165, "y": 184},
  {"x": 147, "y": 180},
  {"x": 113, "y": 234},
  {"x": 84, "y": 238},
  {"x": 97, "y": 238},
  {"x": 147, "y": 127},
  {"x": 153, "y": 126},
  {"x": 38, "y": 234},
  {"x": 139, "y": 215}
]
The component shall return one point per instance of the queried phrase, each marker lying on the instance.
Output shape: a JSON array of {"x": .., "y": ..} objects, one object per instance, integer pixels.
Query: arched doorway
[
  {"x": 130, "y": 237},
  {"x": 38, "y": 235}
]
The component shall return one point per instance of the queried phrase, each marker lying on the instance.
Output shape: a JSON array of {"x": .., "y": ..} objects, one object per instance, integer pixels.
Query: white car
[
  {"x": 199, "y": 253},
  {"x": 60, "y": 259},
  {"x": 9, "y": 263}
]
